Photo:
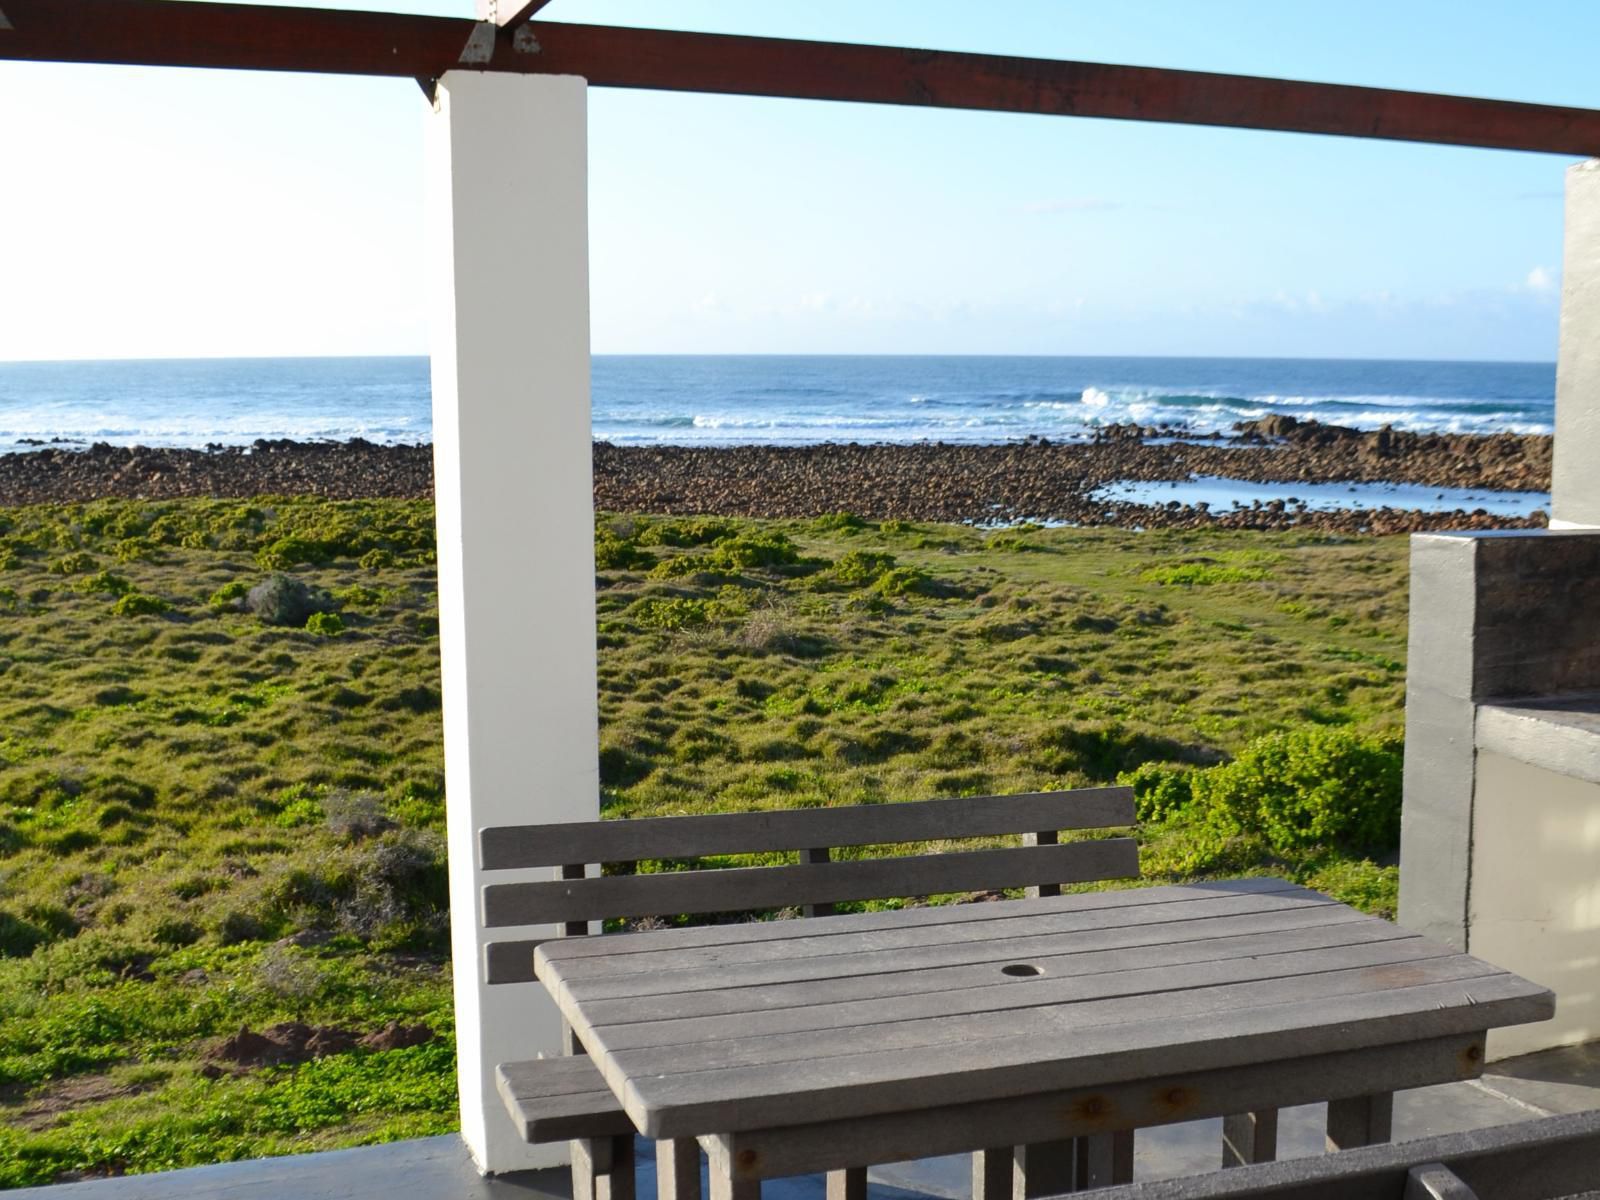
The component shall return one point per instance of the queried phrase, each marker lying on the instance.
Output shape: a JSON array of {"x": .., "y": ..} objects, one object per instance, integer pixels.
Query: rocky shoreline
[{"x": 1037, "y": 479}]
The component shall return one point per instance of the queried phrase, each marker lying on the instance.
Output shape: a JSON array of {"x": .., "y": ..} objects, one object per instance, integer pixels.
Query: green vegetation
[{"x": 210, "y": 820}]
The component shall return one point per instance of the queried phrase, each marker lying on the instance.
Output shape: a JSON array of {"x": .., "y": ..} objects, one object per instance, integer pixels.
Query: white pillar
[
  {"x": 1575, "y": 486},
  {"x": 508, "y": 241}
]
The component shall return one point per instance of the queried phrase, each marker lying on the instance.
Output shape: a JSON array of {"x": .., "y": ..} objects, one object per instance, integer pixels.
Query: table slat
[
  {"x": 1280, "y": 933},
  {"x": 745, "y": 934},
  {"x": 998, "y": 996},
  {"x": 753, "y": 1097}
]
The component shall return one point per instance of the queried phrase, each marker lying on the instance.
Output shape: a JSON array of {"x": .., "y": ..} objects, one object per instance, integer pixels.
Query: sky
[{"x": 163, "y": 213}]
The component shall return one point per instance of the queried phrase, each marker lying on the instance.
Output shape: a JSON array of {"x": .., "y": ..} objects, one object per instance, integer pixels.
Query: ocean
[{"x": 730, "y": 400}]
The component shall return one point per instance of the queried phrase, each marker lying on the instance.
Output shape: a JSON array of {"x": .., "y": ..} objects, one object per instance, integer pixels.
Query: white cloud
[{"x": 1540, "y": 279}]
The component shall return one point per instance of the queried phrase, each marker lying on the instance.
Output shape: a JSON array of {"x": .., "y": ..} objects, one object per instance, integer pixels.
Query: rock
[{"x": 282, "y": 599}]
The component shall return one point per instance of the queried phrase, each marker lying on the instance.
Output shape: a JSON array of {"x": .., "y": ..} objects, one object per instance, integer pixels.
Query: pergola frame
[
  {"x": 176, "y": 33},
  {"x": 508, "y": 246}
]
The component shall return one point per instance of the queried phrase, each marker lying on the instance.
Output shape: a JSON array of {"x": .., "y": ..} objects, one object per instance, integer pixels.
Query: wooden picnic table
[{"x": 788, "y": 1047}]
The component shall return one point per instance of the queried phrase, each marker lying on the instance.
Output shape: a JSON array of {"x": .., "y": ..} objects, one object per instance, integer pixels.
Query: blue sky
[{"x": 177, "y": 213}]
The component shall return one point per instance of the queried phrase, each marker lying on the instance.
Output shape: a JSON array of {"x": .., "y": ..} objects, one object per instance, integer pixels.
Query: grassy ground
[{"x": 185, "y": 792}]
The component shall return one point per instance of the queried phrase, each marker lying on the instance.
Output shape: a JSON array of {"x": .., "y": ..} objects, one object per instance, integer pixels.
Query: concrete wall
[
  {"x": 1535, "y": 895},
  {"x": 1493, "y": 616},
  {"x": 508, "y": 244},
  {"x": 1500, "y": 833},
  {"x": 1576, "y": 484}
]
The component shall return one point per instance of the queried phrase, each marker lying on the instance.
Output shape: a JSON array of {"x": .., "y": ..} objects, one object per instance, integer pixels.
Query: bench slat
[
  {"x": 1531, "y": 1160},
  {"x": 558, "y": 1099},
  {"x": 743, "y": 889},
  {"x": 505, "y": 847}
]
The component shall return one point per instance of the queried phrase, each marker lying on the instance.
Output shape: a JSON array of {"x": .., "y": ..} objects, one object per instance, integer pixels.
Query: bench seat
[{"x": 559, "y": 1099}]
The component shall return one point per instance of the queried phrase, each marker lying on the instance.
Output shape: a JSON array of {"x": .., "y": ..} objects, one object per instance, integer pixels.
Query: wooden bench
[
  {"x": 1533, "y": 1160},
  {"x": 565, "y": 1099}
]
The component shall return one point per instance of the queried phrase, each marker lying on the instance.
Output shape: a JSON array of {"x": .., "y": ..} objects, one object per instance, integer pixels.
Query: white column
[
  {"x": 508, "y": 242},
  {"x": 1575, "y": 487}
]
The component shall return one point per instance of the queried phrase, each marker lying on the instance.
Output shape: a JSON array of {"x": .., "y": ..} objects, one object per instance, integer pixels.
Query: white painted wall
[
  {"x": 1575, "y": 484},
  {"x": 1534, "y": 904},
  {"x": 509, "y": 284}
]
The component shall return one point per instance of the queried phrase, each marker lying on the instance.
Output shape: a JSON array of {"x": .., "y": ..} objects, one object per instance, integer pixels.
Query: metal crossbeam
[{"x": 175, "y": 33}]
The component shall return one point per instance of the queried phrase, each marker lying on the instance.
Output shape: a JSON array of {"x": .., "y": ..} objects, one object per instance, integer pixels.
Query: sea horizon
[{"x": 773, "y": 399}]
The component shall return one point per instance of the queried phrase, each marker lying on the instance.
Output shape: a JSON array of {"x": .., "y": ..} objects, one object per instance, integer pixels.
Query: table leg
[
  {"x": 677, "y": 1169},
  {"x": 1046, "y": 1168},
  {"x": 848, "y": 1184},
  {"x": 602, "y": 1168},
  {"x": 1250, "y": 1137},
  {"x": 1106, "y": 1158},
  {"x": 991, "y": 1174},
  {"x": 725, "y": 1187},
  {"x": 1360, "y": 1121}
]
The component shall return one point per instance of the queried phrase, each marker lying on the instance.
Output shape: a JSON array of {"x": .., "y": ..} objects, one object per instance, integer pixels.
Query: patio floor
[{"x": 1519, "y": 1089}]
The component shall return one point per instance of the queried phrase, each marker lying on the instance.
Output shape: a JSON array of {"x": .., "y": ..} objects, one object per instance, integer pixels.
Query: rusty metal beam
[{"x": 253, "y": 37}]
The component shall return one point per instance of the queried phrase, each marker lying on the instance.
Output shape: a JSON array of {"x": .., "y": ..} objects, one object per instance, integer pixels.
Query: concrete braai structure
[{"x": 507, "y": 178}]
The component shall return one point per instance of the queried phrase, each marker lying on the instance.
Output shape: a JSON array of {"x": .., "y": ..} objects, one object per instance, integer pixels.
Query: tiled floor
[{"x": 1557, "y": 1081}]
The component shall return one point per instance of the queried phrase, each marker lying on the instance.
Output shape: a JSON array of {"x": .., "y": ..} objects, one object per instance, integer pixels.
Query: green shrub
[
  {"x": 1158, "y": 792},
  {"x": 291, "y": 551},
  {"x": 1201, "y": 574},
  {"x": 840, "y": 522},
  {"x": 903, "y": 581},
  {"x": 754, "y": 550},
  {"x": 1361, "y": 884},
  {"x": 134, "y": 550},
  {"x": 861, "y": 567},
  {"x": 229, "y": 596},
  {"x": 611, "y": 553},
  {"x": 695, "y": 532},
  {"x": 325, "y": 624},
  {"x": 1308, "y": 787},
  {"x": 73, "y": 564},
  {"x": 671, "y": 612},
  {"x": 377, "y": 560},
  {"x": 106, "y": 582},
  {"x": 138, "y": 604}
]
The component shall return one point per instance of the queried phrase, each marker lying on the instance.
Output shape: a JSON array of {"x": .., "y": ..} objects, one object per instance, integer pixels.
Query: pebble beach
[{"x": 1033, "y": 480}]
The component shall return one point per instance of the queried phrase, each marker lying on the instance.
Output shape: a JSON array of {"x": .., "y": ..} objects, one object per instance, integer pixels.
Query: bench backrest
[
  {"x": 1531, "y": 1160},
  {"x": 1042, "y": 863}
]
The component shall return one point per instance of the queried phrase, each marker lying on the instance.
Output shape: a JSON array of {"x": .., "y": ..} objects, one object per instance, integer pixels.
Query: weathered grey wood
[
  {"x": 1226, "y": 1035},
  {"x": 1249, "y": 1137},
  {"x": 831, "y": 956},
  {"x": 848, "y": 1184},
  {"x": 595, "y": 1161},
  {"x": 989, "y": 991},
  {"x": 573, "y": 871},
  {"x": 817, "y": 854},
  {"x": 1048, "y": 1114},
  {"x": 724, "y": 1186},
  {"x": 991, "y": 1173},
  {"x": 1107, "y": 1158},
  {"x": 670, "y": 1075},
  {"x": 1531, "y": 1160},
  {"x": 802, "y": 828},
  {"x": 1043, "y": 837},
  {"x": 1435, "y": 1181},
  {"x": 1360, "y": 1121},
  {"x": 550, "y": 1102},
  {"x": 693, "y": 1013},
  {"x": 1045, "y": 1168},
  {"x": 511, "y": 961},
  {"x": 743, "y": 889},
  {"x": 678, "y": 1169},
  {"x": 618, "y": 1182},
  {"x": 898, "y": 921}
]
